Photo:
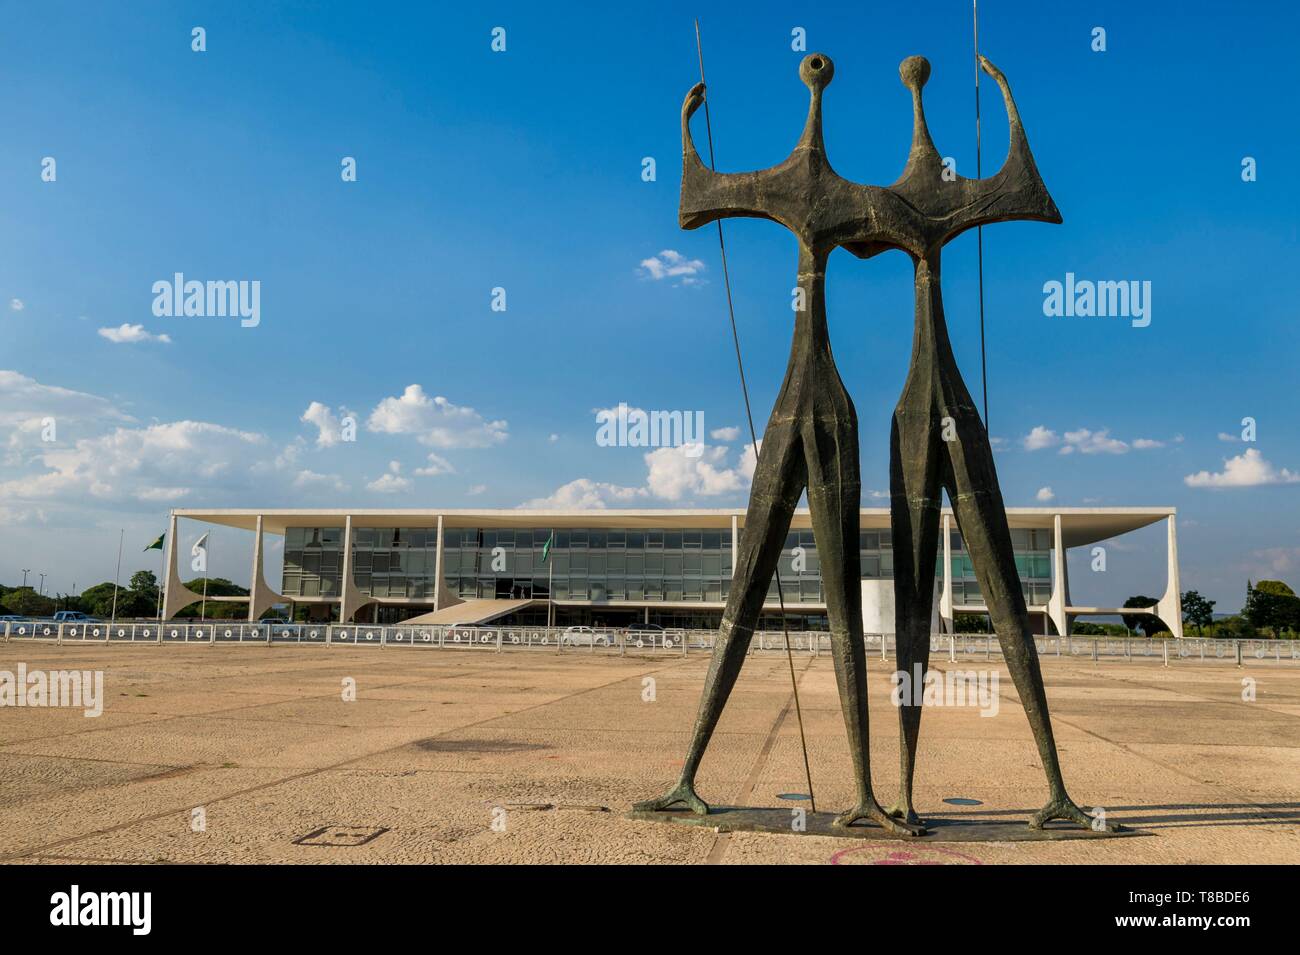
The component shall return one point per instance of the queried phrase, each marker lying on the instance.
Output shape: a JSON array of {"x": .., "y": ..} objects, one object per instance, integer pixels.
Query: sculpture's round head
[
  {"x": 816, "y": 71},
  {"x": 915, "y": 71}
]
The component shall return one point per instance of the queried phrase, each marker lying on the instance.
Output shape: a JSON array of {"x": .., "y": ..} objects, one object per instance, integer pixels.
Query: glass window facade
[{"x": 634, "y": 565}]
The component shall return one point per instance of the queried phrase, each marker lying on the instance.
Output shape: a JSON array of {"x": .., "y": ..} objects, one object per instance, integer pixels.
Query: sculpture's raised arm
[
  {"x": 953, "y": 204},
  {"x": 708, "y": 195}
]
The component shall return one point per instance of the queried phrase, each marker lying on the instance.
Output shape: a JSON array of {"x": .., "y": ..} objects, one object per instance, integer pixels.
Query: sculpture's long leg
[
  {"x": 779, "y": 481},
  {"x": 915, "y": 499},
  {"x": 835, "y": 499},
  {"x": 972, "y": 483}
]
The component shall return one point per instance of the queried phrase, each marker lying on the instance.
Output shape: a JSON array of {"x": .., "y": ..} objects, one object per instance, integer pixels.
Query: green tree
[
  {"x": 1147, "y": 623},
  {"x": 28, "y": 603},
  {"x": 1197, "y": 610},
  {"x": 1272, "y": 606}
]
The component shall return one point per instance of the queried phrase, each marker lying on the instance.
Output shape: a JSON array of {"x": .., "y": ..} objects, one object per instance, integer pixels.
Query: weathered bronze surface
[
  {"x": 938, "y": 830},
  {"x": 811, "y": 438}
]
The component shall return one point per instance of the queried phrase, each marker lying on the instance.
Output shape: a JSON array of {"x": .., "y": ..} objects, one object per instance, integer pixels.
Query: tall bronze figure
[
  {"x": 938, "y": 440},
  {"x": 811, "y": 437}
]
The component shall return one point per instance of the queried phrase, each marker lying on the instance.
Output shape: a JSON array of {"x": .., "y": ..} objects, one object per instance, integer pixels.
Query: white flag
[{"x": 200, "y": 551}]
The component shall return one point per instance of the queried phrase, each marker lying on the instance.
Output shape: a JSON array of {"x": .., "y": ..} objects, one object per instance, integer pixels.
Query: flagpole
[
  {"x": 207, "y": 572},
  {"x": 550, "y": 585},
  {"x": 118, "y": 575}
]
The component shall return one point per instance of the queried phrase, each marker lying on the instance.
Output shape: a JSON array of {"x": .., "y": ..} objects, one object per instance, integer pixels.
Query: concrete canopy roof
[{"x": 1079, "y": 525}]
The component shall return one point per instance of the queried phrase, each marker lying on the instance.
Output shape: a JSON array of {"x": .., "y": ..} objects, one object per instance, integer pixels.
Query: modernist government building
[{"x": 616, "y": 567}]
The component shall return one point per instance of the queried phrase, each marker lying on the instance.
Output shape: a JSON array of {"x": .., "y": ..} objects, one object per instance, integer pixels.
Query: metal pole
[{"x": 118, "y": 575}]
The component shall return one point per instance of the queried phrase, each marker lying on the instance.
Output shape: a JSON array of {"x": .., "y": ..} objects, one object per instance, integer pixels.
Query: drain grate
[{"x": 341, "y": 836}]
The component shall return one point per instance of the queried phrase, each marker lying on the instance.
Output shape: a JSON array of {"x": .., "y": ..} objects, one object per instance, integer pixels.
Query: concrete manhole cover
[{"x": 342, "y": 836}]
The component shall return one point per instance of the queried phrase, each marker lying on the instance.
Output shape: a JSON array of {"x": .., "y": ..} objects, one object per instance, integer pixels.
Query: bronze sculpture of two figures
[{"x": 811, "y": 439}]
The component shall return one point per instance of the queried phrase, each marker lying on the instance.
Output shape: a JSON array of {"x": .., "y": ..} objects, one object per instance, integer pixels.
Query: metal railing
[{"x": 562, "y": 640}]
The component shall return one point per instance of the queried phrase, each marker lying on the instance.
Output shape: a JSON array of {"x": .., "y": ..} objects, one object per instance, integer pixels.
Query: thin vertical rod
[
  {"x": 753, "y": 437},
  {"x": 979, "y": 232}
]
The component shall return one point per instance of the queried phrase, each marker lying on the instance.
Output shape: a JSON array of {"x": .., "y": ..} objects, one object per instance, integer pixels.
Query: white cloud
[
  {"x": 435, "y": 421},
  {"x": 1230, "y": 438},
  {"x": 309, "y": 480},
  {"x": 585, "y": 494},
  {"x": 329, "y": 426},
  {"x": 553, "y": 438},
  {"x": 1248, "y": 469},
  {"x": 163, "y": 462},
  {"x": 1092, "y": 442},
  {"x": 671, "y": 475},
  {"x": 390, "y": 482},
  {"x": 1086, "y": 441},
  {"x": 436, "y": 466},
  {"x": 476, "y": 489},
  {"x": 1039, "y": 438},
  {"x": 1045, "y": 494},
  {"x": 671, "y": 264},
  {"x": 725, "y": 434},
  {"x": 126, "y": 334},
  {"x": 16, "y": 304}
]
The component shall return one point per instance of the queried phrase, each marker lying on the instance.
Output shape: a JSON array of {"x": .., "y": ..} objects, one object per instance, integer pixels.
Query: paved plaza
[{"x": 472, "y": 756}]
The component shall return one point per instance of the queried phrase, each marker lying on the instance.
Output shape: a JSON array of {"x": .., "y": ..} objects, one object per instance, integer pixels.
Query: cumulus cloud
[
  {"x": 1230, "y": 438},
  {"x": 163, "y": 462},
  {"x": 1248, "y": 469},
  {"x": 672, "y": 474},
  {"x": 725, "y": 434},
  {"x": 671, "y": 264},
  {"x": 436, "y": 466},
  {"x": 435, "y": 421},
  {"x": 1092, "y": 442},
  {"x": 329, "y": 426},
  {"x": 126, "y": 334},
  {"x": 585, "y": 494},
  {"x": 391, "y": 482},
  {"x": 1039, "y": 438},
  {"x": 476, "y": 489},
  {"x": 1045, "y": 494},
  {"x": 1086, "y": 441},
  {"x": 310, "y": 480},
  {"x": 16, "y": 304}
]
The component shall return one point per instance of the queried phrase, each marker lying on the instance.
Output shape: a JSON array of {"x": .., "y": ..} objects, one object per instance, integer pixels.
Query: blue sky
[{"x": 522, "y": 170}]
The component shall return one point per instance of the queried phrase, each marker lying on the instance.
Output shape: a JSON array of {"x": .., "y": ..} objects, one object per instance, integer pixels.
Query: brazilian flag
[
  {"x": 158, "y": 544},
  {"x": 546, "y": 548}
]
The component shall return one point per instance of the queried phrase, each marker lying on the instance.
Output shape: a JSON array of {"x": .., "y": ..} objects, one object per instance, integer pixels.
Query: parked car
[
  {"x": 11, "y": 618},
  {"x": 639, "y": 634},
  {"x": 582, "y": 636},
  {"x": 74, "y": 616}
]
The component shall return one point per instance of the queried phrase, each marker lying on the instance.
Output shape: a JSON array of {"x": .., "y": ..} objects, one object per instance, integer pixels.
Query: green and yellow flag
[
  {"x": 546, "y": 548},
  {"x": 158, "y": 544}
]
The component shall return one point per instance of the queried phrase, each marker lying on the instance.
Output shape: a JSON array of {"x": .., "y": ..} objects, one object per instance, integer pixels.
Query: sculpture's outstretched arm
[{"x": 708, "y": 195}]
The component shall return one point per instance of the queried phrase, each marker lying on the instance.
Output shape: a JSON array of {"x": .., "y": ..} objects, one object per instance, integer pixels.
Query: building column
[
  {"x": 735, "y": 546},
  {"x": 352, "y": 599},
  {"x": 260, "y": 596},
  {"x": 1170, "y": 607},
  {"x": 437, "y": 568},
  {"x": 1056, "y": 603},
  {"x": 177, "y": 595},
  {"x": 946, "y": 617}
]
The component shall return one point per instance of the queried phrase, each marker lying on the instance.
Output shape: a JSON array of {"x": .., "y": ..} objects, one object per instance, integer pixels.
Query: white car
[{"x": 581, "y": 636}]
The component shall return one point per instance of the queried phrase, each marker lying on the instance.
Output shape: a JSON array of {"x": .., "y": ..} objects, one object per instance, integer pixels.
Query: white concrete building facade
[{"x": 615, "y": 566}]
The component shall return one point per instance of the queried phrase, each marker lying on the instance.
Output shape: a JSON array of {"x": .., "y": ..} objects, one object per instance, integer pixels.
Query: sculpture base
[{"x": 939, "y": 828}]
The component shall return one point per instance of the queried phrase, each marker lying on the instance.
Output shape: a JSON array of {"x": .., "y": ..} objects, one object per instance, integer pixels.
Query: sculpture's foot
[
  {"x": 683, "y": 793},
  {"x": 905, "y": 812},
  {"x": 871, "y": 810},
  {"x": 1063, "y": 807}
]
